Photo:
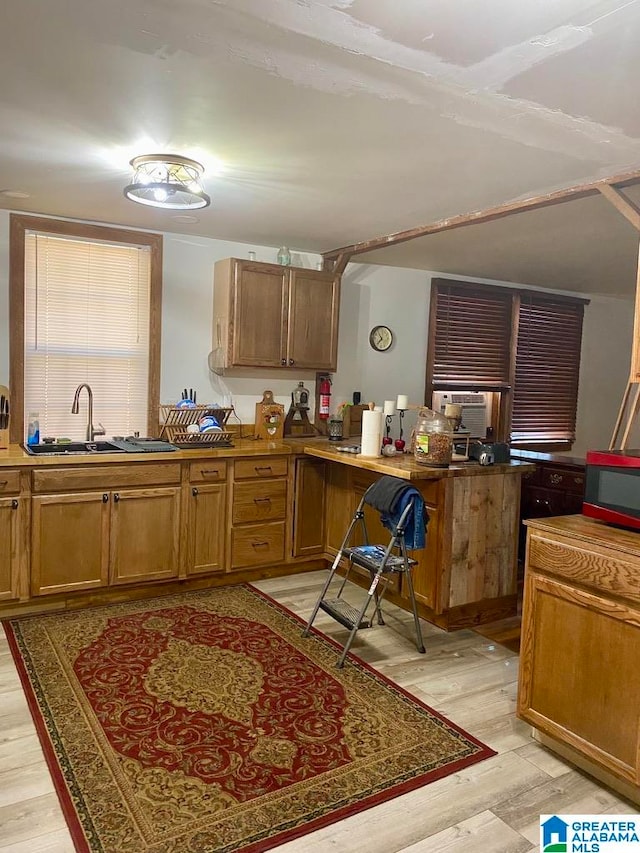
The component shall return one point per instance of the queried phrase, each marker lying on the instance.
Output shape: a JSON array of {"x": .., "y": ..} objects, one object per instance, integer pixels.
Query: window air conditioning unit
[{"x": 476, "y": 409}]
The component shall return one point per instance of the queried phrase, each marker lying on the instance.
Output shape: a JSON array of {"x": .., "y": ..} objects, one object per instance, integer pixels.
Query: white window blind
[{"x": 87, "y": 307}]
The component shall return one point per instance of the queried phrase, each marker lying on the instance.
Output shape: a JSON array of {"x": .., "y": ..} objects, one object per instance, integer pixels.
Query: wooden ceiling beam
[
  {"x": 488, "y": 215},
  {"x": 624, "y": 205}
]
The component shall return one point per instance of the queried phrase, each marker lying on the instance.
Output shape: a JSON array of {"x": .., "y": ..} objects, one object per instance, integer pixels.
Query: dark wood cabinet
[{"x": 555, "y": 488}]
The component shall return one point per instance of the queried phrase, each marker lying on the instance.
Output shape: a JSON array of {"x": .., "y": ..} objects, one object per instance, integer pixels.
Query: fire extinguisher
[{"x": 325, "y": 398}]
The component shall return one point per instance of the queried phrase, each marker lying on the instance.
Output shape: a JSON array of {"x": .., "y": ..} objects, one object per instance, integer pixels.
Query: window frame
[
  {"x": 503, "y": 390},
  {"x": 19, "y": 225}
]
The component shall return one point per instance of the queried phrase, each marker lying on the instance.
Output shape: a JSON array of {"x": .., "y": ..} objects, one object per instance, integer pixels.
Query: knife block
[{"x": 4, "y": 432}]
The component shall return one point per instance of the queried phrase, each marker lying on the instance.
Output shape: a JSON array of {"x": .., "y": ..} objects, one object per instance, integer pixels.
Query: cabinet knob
[
  {"x": 105, "y": 497},
  {"x": 194, "y": 492},
  {"x": 291, "y": 361},
  {"x": 14, "y": 504},
  {"x": 283, "y": 361},
  {"x": 116, "y": 497}
]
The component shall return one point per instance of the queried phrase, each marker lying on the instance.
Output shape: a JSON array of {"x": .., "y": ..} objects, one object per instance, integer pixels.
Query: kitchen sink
[{"x": 86, "y": 448}]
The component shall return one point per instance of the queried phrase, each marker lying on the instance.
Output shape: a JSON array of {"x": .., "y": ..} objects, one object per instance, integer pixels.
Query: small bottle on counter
[{"x": 33, "y": 428}]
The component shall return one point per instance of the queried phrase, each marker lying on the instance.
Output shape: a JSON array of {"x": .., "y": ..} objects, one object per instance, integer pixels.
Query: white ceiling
[{"x": 337, "y": 121}]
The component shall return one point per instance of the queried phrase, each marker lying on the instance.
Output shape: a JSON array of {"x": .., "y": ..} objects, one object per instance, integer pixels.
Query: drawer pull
[
  {"x": 259, "y": 468},
  {"x": 14, "y": 504},
  {"x": 541, "y": 502},
  {"x": 259, "y": 544},
  {"x": 262, "y": 500},
  {"x": 556, "y": 479},
  {"x": 210, "y": 472},
  {"x": 3, "y": 483}
]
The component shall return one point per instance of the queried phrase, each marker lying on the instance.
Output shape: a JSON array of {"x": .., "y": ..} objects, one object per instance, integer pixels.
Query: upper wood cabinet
[{"x": 267, "y": 315}]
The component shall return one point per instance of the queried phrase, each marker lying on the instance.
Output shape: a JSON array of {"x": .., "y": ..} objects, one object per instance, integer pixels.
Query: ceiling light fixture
[{"x": 168, "y": 181}]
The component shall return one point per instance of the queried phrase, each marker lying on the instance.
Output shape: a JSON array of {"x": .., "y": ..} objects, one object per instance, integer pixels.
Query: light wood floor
[{"x": 492, "y": 807}]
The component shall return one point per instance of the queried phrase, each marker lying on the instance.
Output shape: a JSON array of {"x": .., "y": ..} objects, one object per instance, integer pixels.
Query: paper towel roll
[{"x": 371, "y": 441}]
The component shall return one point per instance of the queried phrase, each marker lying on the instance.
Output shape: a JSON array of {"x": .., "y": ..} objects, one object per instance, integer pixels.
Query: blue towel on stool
[{"x": 416, "y": 525}]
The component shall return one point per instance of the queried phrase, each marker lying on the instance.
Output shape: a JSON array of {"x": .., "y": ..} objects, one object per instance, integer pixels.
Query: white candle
[
  {"x": 403, "y": 401},
  {"x": 389, "y": 407}
]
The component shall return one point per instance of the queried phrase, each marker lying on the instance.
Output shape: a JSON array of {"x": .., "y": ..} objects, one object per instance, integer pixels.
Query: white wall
[
  {"x": 370, "y": 295},
  {"x": 400, "y": 298}
]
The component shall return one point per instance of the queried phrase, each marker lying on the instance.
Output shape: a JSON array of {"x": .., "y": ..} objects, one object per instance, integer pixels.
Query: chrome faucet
[{"x": 75, "y": 408}]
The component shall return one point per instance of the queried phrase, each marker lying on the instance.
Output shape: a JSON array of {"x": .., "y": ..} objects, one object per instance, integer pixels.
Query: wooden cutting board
[{"x": 269, "y": 418}]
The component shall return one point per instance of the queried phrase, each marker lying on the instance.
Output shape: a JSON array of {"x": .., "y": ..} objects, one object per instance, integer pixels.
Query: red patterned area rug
[{"x": 205, "y": 723}]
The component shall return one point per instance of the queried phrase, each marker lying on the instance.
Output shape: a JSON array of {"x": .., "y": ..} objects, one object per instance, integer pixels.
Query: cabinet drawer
[
  {"x": 104, "y": 477},
  {"x": 563, "y": 479},
  {"x": 261, "y": 466},
  {"x": 9, "y": 482},
  {"x": 259, "y": 501},
  {"x": 257, "y": 544},
  {"x": 207, "y": 472},
  {"x": 592, "y": 568}
]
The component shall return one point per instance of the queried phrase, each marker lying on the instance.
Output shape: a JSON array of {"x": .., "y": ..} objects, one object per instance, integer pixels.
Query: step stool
[{"x": 379, "y": 561}]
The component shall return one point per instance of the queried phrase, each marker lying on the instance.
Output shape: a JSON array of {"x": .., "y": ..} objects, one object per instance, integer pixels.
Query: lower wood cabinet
[
  {"x": 91, "y": 539},
  {"x": 579, "y": 674},
  {"x": 144, "y": 539},
  {"x": 88, "y": 539},
  {"x": 11, "y": 527},
  {"x": 309, "y": 511},
  {"x": 258, "y": 511},
  {"x": 207, "y": 528},
  {"x": 69, "y": 542}
]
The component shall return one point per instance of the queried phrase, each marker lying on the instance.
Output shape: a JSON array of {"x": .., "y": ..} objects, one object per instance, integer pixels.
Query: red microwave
[{"x": 612, "y": 487}]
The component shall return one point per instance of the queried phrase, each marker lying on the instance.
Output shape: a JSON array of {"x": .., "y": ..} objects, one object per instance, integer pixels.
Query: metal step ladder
[{"x": 380, "y": 562}]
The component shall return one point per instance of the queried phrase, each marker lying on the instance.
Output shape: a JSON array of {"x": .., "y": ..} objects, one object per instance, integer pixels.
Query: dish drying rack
[{"x": 174, "y": 421}]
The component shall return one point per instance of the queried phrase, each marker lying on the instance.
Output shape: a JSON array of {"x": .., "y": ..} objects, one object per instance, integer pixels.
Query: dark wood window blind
[
  {"x": 545, "y": 394},
  {"x": 524, "y": 344},
  {"x": 471, "y": 342}
]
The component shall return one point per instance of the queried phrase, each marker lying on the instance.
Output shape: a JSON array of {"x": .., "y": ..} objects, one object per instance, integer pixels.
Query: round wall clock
[{"x": 381, "y": 338}]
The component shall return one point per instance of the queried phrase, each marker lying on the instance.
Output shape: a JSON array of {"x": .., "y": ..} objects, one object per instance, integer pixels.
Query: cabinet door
[
  {"x": 312, "y": 339},
  {"x": 69, "y": 542},
  {"x": 10, "y": 520},
  {"x": 207, "y": 527},
  {"x": 145, "y": 534},
  {"x": 259, "y": 315},
  {"x": 309, "y": 507},
  {"x": 588, "y": 695}
]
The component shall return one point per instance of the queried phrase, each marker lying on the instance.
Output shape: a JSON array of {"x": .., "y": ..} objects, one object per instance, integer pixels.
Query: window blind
[
  {"x": 87, "y": 310},
  {"x": 472, "y": 335},
  {"x": 547, "y": 368}
]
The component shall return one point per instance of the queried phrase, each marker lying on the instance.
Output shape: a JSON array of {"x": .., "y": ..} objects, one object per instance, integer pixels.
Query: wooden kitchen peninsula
[
  {"x": 467, "y": 574},
  {"x": 79, "y": 530}
]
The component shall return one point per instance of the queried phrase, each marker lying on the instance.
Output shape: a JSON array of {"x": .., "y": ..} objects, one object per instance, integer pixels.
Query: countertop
[
  {"x": 554, "y": 458},
  {"x": 16, "y": 456},
  {"x": 403, "y": 466}
]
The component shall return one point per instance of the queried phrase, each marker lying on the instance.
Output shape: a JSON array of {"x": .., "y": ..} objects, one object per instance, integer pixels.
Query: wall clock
[{"x": 381, "y": 338}]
